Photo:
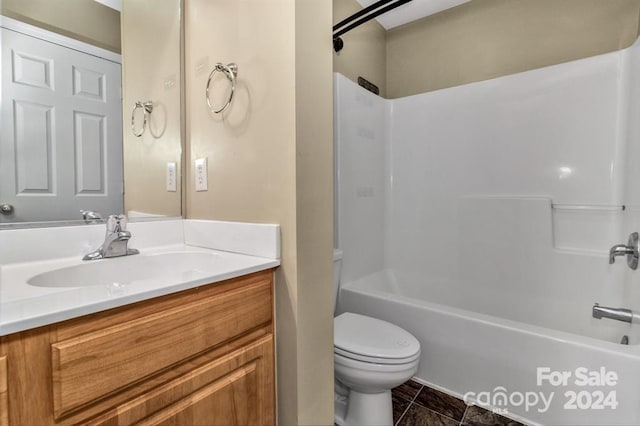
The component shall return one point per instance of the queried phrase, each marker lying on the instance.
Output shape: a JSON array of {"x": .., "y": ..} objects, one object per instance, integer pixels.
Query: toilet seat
[
  {"x": 371, "y": 340},
  {"x": 374, "y": 360}
]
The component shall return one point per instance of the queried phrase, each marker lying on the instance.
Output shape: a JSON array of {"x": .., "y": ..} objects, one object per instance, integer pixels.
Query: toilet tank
[{"x": 337, "y": 271}]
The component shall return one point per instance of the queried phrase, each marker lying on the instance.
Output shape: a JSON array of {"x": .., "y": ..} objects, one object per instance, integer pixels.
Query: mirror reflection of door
[
  {"x": 61, "y": 138},
  {"x": 142, "y": 38}
]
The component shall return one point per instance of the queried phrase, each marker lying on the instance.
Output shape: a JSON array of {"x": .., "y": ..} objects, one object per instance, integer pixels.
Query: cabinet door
[
  {"x": 236, "y": 389},
  {"x": 4, "y": 392}
]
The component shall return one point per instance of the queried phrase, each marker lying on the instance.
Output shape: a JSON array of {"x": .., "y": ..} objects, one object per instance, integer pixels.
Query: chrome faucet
[
  {"x": 115, "y": 240},
  {"x": 91, "y": 216},
  {"x": 618, "y": 314},
  {"x": 631, "y": 250},
  {"x": 619, "y": 250}
]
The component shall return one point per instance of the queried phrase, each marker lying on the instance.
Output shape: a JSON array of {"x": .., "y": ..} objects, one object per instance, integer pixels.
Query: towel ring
[
  {"x": 231, "y": 72},
  {"x": 147, "y": 108}
]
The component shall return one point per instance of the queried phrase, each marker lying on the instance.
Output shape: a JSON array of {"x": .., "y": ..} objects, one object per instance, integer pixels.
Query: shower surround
[{"x": 479, "y": 218}]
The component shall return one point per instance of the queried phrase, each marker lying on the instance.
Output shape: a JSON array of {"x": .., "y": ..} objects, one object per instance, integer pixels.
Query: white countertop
[{"x": 24, "y": 306}]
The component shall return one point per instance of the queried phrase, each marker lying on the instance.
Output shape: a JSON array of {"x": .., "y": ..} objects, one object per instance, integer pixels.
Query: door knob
[{"x": 6, "y": 209}]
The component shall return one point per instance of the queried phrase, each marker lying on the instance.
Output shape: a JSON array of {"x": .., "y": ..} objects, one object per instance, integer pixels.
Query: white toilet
[{"x": 371, "y": 357}]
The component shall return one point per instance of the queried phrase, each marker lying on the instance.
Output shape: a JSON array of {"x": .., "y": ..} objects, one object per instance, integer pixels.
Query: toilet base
[{"x": 371, "y": 409}]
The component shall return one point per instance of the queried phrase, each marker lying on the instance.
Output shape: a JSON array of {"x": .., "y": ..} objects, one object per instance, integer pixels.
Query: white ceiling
[
  {"x": 412, "y": 11},
  {"x": 113, "y": 4},
  {"x": 406, "y": 13}
]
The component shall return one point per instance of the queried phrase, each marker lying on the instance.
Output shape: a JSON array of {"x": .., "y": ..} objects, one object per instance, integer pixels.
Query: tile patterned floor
[{"x": 418, "y": 405}]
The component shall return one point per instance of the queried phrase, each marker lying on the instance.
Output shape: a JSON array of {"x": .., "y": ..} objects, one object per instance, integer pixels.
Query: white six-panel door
[{"x": 60, "y": 131}]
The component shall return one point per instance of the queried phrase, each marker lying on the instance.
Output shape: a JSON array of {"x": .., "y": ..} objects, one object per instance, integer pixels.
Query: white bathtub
[{"x": 465, "y": 351}]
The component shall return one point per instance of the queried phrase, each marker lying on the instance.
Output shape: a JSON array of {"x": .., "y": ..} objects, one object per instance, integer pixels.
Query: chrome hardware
[
  {"x": 115, "y": 240},
  {"x": 231, "y": 72},
  {"x": 147, "y": 108},
  {"x": 618, "y": 314},
  {"x": 360, "y": 17},
  {"x": 91, "y": 216},
  {"x": 631, "y": 250},
  {"x": 6, "y": 209}
]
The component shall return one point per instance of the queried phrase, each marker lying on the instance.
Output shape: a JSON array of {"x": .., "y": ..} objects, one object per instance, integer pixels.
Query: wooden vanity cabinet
[{"x": 203, "y": 356}]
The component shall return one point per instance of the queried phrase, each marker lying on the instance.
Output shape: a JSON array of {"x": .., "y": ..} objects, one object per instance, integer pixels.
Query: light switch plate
[
  {"x": 172, "y": 184},
  {"x": 201, "y": 174}
]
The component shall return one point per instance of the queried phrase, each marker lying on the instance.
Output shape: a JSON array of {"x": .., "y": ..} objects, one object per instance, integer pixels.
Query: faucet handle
[
  {"x": 116, "y": 223},
  {"x": 631, "y": 250},
  {"x": 122, "y": 221},
  {"x": 90, "y": 216}
]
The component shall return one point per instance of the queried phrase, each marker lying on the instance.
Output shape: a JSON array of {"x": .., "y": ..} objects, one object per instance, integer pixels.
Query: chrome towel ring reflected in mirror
[
  {"x": 147, "y": 108},
  {"x": 231, "y": 72}
]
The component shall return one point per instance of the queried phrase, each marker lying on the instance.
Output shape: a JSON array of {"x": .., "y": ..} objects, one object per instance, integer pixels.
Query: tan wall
[
  {"x": 270, "y": 160},
  {"x": 484, "y": 39},
  {"x": 151, "y": 32},
  {"x": 314, "y": 204},
  {"x": 364, "y": 52},
  {"x": 84, "y": 20}
]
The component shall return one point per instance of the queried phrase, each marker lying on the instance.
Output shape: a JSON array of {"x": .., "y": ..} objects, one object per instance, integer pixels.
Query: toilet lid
[{"x": 372, "y": 338}]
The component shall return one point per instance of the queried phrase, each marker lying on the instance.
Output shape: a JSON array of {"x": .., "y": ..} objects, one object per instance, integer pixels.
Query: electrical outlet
[
  {"x": 172, "y": 184},
  {"x": 201, "y": 174}
]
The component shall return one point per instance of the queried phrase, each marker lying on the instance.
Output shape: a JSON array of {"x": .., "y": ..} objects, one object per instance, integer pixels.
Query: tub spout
[{"x": 618, "y": 314}]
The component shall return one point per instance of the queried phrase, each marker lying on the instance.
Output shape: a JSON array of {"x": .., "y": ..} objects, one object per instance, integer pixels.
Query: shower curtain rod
[{"x": 376, "y": 9}]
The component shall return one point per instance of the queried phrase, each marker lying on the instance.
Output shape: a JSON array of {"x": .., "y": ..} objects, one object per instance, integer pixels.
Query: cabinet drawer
[
  {"x": 236, "y": 389},
  {"x": 93, "y": 365}
]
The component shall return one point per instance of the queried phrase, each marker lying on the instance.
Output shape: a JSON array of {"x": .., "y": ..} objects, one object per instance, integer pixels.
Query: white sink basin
[{"x": 128, "y": 269}]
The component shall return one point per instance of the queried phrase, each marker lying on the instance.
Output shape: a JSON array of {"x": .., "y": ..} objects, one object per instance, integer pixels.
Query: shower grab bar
[{"x": 362, "y": 16}]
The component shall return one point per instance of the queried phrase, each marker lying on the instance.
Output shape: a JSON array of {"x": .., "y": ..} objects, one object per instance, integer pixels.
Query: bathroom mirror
[{"x": 72, "y": 72}]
